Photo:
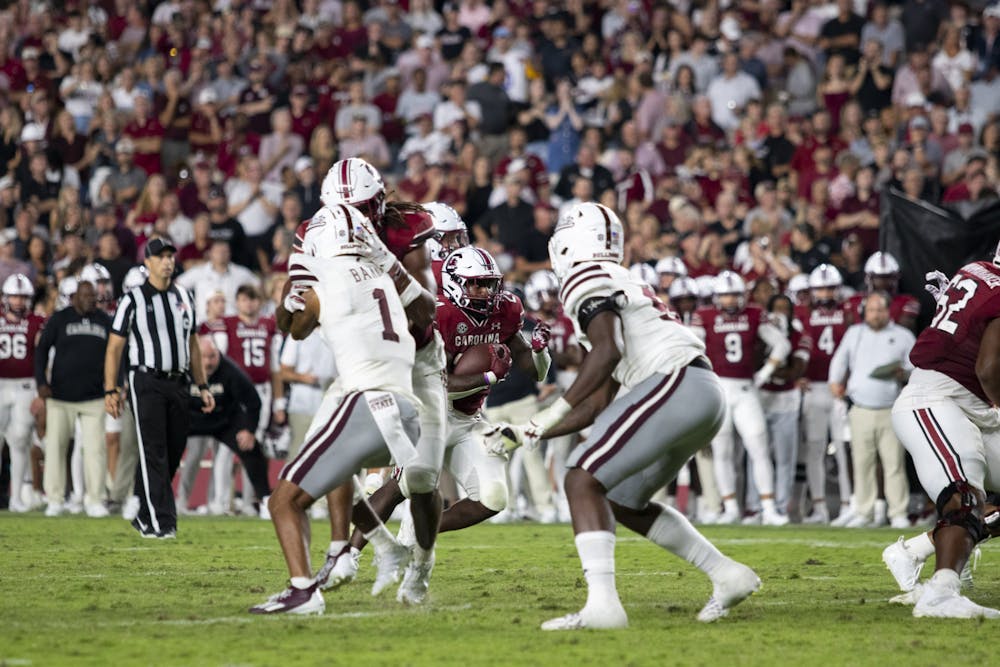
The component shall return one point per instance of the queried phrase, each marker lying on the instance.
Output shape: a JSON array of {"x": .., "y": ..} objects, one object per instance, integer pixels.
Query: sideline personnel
[{"x": 157, "y": 319}]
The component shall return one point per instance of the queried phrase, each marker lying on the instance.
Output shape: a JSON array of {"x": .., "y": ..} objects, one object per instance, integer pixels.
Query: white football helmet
[
  {"x": 337, "y": 230},
  {"x": 465, "y": 267},
  {"x": 15, "y": 285},
  {"x": 671, "y": 266},
  {"x": 541, "y": 286},
  {"x": 796, "y": 284},
  {"x": 98, "y": 276},
  {"x": 706, "y": 288},
  {"x": 588, "y": 232},
  {"x": 729, "y": 283},
  {"x": 136, "y": 276},
  {"x": 825, "y": 275},
  {"x": 67, "y": 288},
  {"x": 353, "y": 181},
  {"x": 644, "y": 273},
  {"x": 450, "y": 232},
  {"x": 684, "y": 288}
]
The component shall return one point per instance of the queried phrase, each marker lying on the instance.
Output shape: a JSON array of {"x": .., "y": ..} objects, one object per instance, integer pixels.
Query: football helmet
[
  {"x": 797, "y": 284},
  {"x": 588, "y": 232},
  {"x": 684, "y": 288},
  {"x": 644, "y": 273},
  {"x": 450, "y": 232},
  {"x": 729, "y": 283},
  {"x": 468, "y": 267},
  {"x": 353, "y": 181},
  {"x": 67, "y": 288},
  {"x": 671, "y": 266},
  {"x": 882, "y": 266},
  {"x": 825, "y": 275},
  {"x": 136, "y": 276},
  {"x": 17, "y": 285},
  {"x": 706, "y": 288},
  {"x": 541, "y": 287},
  {"x": 337, "y": 230},
  {"x": 98, "y": 276}
]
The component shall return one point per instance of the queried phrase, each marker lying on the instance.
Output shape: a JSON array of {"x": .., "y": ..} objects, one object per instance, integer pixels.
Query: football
[{"x": 474, "y": 360}]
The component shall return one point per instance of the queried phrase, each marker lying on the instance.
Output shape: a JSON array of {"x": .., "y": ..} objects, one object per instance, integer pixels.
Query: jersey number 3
[
  {"x": 13, "y": 346},
  {"x": 948, "y": 307}
]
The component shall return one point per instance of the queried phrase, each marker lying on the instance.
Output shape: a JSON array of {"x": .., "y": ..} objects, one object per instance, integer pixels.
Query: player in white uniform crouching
[{"x": 671, "y": 406}]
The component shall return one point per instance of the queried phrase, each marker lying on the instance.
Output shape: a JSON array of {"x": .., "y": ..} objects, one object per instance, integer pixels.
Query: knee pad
[
  {"x": 417, "y": 479},
  {"x": 966, "y": 515},
  {"x": 493, "y": 495}
]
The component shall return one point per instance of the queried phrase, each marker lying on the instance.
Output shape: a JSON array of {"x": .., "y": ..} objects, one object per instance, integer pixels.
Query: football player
[
  {"x": 683, "y": 294},
  {"x": 450, "y": 234},
  {"x": 369, "y": 416},
  {"x": 668, "y": 270},
  {"x": 946, "y": 418},
  {"x": 824, "y": 417},
  {"x": 400, "y": 250},
  {"x": 98, "y": 276},
  {"x": 644, "y": 273},
  {"x": 19, "y": 331},
  {"x": 798, "y": 289},
  {"x": 731, "y": 329},
  {"x": 670, "y": 407},
  {"x": 882, "y": 275}
]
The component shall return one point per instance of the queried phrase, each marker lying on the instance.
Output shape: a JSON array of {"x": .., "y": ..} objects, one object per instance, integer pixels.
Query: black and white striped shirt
[{"x": 158, "y": 326}]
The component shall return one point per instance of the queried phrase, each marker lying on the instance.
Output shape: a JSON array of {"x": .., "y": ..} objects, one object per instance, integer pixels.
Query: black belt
[
  {"x": 702, "y": 363},
  {"x": 172, "y": 376}
]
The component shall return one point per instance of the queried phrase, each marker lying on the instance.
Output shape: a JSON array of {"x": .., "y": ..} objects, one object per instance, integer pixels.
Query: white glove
[
  {"x": 294, "y": 300},
  {"x": 761, "y": 377},
  {"x": 936, "y": 288},
  {"x": 502, "y": 439},
  {"x": 377, "y": 253},
  {"x": 505, "y": 438}
]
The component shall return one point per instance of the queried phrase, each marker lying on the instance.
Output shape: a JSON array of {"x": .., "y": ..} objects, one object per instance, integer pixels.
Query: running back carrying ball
[{"x": 484, "y": 359}]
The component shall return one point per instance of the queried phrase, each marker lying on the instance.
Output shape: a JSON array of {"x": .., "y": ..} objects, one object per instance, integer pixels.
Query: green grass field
[{"x": 90, "y": 592}]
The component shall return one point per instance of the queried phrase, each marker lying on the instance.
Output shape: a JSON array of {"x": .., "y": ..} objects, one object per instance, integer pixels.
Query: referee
[{"x": 157, "y": 320}]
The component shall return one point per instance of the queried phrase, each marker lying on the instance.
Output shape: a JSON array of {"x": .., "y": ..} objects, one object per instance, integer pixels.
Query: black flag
[{"x": 924, "y": 237}]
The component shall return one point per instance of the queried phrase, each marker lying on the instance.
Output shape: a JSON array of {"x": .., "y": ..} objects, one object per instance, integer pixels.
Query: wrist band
[
  {"x": 203, "y": 387},
  {"x": 490, "y": 377},
  {"x": 410, "y": 294}
]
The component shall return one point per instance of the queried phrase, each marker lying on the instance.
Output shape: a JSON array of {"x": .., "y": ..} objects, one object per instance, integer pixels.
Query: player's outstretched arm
[
  {"x": 304, "y": 321},
  {"x": 988, "y": 362}
]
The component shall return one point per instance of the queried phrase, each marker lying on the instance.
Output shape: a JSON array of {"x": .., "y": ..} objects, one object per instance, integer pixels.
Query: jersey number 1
[
  {"x": 946, "y": 308},
  {"x": 388, "y": 333}
]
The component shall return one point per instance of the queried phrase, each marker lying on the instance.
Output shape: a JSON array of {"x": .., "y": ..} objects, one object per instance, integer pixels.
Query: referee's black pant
[
  {"x": 160, "y": 406},
  {"x": 254, "y": 461}
]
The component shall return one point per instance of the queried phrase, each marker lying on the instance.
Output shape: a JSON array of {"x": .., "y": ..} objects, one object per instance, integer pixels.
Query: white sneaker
[
  {"x": 606, "y": 619},
  {"x": 728, "y": 518},
  {"x": 707, "y": 518},
  {"x": 903, "y": 565},
  {"x": 130, "y": 509},
  {"x": 416, "y": 581},
  {"x": 15, "y": 506},
  {"x": 774, "y": 518},
  {"x": 900, "y": 522},
  {"x": 35, "y": 500},
  {"x": 857, "y": 521},
  {"x": 549, "y": 516},
  {"x": 263, "y": 512},
  {"x": 908, "y": 598},
  {"x": 75, "y": 505},
  {"x": 54, "y": 509},
  {"x": 941, "y": 599},
  {"x": 304, "y": 601},
  {"x": 820, "y": 515},
  {"x": 97, "y": 511},
  {"x": 846, "y": 514},
  {"x": 733, "y": 586},
  {"x": 406, "y": 534},
  {"x": 216, "y": 509},
  {"x": 504, "y": 516},
  {"x": 389, "y": 563},
  {"x": 752, "y": 519}
]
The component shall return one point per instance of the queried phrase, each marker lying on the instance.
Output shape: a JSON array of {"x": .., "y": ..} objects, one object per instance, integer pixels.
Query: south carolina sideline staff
[{"x": 157, "y": 319}]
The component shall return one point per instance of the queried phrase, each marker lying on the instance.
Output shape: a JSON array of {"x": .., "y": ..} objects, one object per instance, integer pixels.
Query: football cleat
[
  {"x": 820, "y": 515},
  {"x": 940, "y": 598},
  {"x": 735, "y": 585},
  {"x": 771, "y": 518},
  {"x": 612, "y": 619},
  {"x": 908, "y": 598},
  {"x": 339, "y": 569},
  {"x": 305, "y": 601},
  {"x": 903, "y": 565},
  {"x": 389, "y": 563},
  {"x": 416, "y": 581}
]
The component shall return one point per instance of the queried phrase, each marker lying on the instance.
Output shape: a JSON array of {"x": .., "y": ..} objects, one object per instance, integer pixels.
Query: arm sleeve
[
  {"x": 123, "y": 316},
  {"x": 777, "y": 341},
  {"x": 840, "y": 363},
  {"x": 45, "y": 342}
]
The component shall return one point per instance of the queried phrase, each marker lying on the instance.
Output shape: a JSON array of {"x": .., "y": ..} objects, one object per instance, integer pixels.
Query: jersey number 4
[
  {"x": 826, "y": 342},
  {"x": 13, "y": 346},
  {"x": 952, "y": 303}
]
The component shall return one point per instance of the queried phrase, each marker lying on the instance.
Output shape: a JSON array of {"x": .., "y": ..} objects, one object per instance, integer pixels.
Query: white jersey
[
  {"x": 655, "y": 340},
  {"x": 363, "y": 322}
]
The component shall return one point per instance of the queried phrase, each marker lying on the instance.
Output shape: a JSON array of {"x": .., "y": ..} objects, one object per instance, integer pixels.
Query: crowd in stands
[{"x": 754, "y": 136}]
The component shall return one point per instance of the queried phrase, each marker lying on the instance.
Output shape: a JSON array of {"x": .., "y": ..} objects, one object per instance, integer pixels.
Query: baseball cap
[
  {"x": 303, "y": 163},
  {"x": 207, "y": 96},
  {"x": 977, "y": 154},
  {"x": 29, "y": 53},
  {"x": 32, "y": 132},
  {"x": 156, "y": 246},
  {"x": 124, "y": 145},
  {"x": 993, "y": 11},
  {"x": 915, "y": 99},
  {"x": 6, "y": 182},
  {"x": 425, "y": 42},
  {"x": 919, "y": 123}
]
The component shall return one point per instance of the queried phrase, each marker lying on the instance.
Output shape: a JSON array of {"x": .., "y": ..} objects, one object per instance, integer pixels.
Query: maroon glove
[
  {"x": 540, "y": 337},
  {"x": 500, "y": 361}
]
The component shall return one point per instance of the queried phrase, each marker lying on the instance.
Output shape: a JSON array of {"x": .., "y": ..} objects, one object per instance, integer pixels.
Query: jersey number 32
[{"x": 958, "y": 295}]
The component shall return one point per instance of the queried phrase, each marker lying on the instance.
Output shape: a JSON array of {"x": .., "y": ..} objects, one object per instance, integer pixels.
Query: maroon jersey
[
  {"x": 902, "y": 304},
  {"x": 563, "y": 335},
  {"x": 950, "y": 345},
  {"x": 250, "y": 346},
  {"x": 462, "y": 330},
  {"x": 730, "y": 339},
  {"x": 17, "y": 346},
  {"x": 802, "y": 346},
  {"x": 825, "y": 326},
  {"x": 211, "y": 327},
  {"x": 417, "y": 227}
]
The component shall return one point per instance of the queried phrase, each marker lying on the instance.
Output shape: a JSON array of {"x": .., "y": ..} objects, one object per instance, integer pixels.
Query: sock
[
  {"x": 730, "y": 506},
  {"x": 920, "y": 546},
  {"x": 597, "y": 555},
  {"x": 947, "y": 579},
  {"x": 380, "y": 537},
  {"x": 767, "y": 504},
  {"x": 302, "y": 582},
  {"x": 336, "y": 546},
  {"x": 421, "y": 555},
  {"x": 672, "y": 531}
]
